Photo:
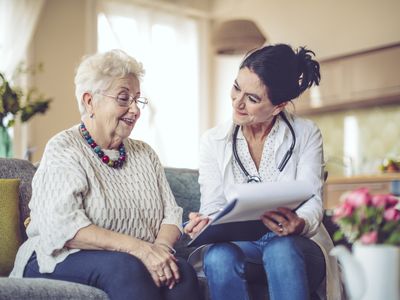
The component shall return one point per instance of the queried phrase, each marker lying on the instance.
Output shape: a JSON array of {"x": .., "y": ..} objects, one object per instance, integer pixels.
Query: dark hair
[{"x": 285, "y": 73}]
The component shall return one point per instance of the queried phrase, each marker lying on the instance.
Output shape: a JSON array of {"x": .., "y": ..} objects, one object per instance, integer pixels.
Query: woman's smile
[
  {"x": 239, "y": 113},
  {"x": 130, "y": 121}
]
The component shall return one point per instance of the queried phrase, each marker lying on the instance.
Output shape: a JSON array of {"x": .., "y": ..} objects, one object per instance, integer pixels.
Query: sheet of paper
[{"x": 254, "y": 199}]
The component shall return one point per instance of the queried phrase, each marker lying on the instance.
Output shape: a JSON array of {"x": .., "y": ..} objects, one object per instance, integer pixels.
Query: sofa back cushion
[
  {"x": 185, "y": 187},
  {"x": 23, "y": 170},
  {"x": 9, "y": 224}
]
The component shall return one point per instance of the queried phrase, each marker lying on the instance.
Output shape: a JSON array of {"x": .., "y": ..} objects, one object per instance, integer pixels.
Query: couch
[{"x": 186, "y": 190}]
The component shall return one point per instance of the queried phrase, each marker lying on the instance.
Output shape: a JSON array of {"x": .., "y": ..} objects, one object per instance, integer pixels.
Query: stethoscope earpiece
[{"x": 282, "y": 164}]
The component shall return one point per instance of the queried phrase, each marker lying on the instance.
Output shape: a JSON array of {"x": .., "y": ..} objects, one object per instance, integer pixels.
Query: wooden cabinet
[
  {"x": 359, "y": 80},
  {"x": 335, "y": 187}
]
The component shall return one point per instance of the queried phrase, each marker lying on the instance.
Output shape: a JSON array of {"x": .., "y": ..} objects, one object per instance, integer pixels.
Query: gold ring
[{"x": 161, "y": 275}]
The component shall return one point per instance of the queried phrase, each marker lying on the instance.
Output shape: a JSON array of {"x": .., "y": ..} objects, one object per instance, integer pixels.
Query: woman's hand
[
  {"x": 161, "y": 264},
  {"x": 283, "y": 221},
  {"x": 196, "y": 223}
]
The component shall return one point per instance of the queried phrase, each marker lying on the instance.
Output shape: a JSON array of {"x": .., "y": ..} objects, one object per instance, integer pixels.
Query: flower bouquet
[
  {"x": 16, "y": 103},
  {"x": 368, "y": 219},
  {"x": 11, "y": 105}
]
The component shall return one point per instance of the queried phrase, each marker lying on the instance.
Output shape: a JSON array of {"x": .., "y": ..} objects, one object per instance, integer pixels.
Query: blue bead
[
  {"x": 90, "y": 140},
  {"x": 97, "y": 149}
]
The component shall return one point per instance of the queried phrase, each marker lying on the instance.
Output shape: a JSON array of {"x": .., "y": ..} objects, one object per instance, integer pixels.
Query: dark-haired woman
[{"x": 294, "y": 254}]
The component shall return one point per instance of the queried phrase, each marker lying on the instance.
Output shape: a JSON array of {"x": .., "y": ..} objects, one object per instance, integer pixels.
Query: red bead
[
  {"x": 105, "y": 159},
  {"x": 122, "y": 158},
  {"x": 93, "y": 145}
]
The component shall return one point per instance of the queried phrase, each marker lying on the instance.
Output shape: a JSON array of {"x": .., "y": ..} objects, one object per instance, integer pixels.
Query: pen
[{"x": 204, "y": 216}]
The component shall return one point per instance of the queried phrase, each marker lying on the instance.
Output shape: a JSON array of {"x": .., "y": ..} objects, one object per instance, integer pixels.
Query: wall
[{"x": 59, "y": 43}]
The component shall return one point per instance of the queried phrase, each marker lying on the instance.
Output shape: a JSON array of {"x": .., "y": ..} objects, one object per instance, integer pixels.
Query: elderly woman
[
  {"x": 102, "y": 212},
  {"x": 264, "y": 142}
]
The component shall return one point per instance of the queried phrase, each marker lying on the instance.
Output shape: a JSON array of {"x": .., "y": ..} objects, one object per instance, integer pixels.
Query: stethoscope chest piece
[{"x": 253, "y": 179}]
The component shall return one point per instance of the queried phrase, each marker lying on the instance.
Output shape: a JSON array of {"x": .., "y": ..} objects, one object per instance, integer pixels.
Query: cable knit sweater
[{"x": 73, "y": 188}]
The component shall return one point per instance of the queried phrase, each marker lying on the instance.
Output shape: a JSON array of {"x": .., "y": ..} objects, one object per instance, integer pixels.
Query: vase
[
  {"x": 372, "y": 272},
  {"x": 5, "y": 143}
]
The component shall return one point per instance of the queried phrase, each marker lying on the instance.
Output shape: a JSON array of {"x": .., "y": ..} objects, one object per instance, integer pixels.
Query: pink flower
[
  {"x": 384, "y": 200},
  {"x": 369, "y": 238},
  {"x": 391, "y": 214},
  {"x": 342, "y": 211},
  {"x": 358, "y": 197},
  {"x": 392, "y": 201},
  {"x": 369, "y": 219}
]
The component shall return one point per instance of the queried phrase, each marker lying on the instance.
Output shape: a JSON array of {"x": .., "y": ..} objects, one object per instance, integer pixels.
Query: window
[{"x": 168, "y": 47}]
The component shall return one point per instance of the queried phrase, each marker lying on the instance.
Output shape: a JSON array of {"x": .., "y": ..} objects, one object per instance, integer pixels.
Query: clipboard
[{"x": 240, "y": 219}]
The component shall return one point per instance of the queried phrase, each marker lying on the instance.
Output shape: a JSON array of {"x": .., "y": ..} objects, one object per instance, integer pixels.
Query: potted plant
[
  {"x": 17, "y": 104},
  {"x": 372, "y": 223}
]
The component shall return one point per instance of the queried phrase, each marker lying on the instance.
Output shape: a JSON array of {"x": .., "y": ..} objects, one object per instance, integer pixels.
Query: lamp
[{"x": 237, "y": 37}]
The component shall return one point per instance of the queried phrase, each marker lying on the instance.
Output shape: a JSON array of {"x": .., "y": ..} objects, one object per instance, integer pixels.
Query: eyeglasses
[{"x": 124, "y": 99}]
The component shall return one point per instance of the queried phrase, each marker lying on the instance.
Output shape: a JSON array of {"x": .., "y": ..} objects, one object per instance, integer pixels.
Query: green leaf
[
  {"x": 338, "y": 235},
  {"x": 393, "y": 239},
  {"x": 11, "y": 123},
  {"x": 31, "y": 109}
]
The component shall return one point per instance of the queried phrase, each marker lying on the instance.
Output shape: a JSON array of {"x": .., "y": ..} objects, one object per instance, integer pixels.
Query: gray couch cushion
[
  {"x": 185, "y": 187},
  {"x": 24, "y": 170},
  {"x": 38, "y": 289}
]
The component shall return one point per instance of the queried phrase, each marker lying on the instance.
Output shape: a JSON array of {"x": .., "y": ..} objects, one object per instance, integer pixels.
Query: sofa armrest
[{"x": 39, "y": 288}]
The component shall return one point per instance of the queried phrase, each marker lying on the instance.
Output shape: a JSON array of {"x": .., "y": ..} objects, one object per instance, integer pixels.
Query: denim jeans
[
  {"x": 121, "y": 275},
  {"x": 294, "y": 267}
]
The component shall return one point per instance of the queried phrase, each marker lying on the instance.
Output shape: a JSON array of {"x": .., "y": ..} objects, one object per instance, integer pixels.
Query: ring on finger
[{"x": 280, "y": 227}]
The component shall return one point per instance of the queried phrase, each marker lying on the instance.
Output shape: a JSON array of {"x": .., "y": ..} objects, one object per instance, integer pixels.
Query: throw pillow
[{"x": 9, "y": 224}]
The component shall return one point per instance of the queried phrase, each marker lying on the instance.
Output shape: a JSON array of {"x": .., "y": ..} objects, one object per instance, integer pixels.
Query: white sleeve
[
  {"x": 58, "y": 189},
  {"x": 210, "y": 176},
  {"x": 310, "y": 168}
]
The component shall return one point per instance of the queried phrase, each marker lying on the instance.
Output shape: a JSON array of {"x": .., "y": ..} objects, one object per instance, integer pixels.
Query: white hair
[{"x": 97, "y": 72}]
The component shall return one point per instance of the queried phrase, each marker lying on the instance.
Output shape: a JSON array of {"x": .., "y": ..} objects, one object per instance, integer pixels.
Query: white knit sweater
[{"x": 73, "y": 188}]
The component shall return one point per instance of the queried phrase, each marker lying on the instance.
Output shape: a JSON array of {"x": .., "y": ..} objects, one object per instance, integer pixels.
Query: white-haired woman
[{"x": 102, "y": 212}]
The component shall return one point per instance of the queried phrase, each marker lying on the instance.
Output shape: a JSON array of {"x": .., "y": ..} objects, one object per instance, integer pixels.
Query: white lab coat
[{"x": 306, "y": 163}]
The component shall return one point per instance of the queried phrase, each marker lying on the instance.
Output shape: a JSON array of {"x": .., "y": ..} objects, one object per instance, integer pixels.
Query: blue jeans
[
  {"x": 120, "y": 275},
  {"x": 294, "y": 267}
]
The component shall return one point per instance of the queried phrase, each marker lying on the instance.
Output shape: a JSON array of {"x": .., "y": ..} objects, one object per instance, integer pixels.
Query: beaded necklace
[{"x": 104, "y": 158}]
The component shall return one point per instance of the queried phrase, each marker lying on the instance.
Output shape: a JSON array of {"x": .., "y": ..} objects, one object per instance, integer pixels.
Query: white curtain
[
  {"x": 18, "y": 20},
  {"x": 168, "y": 46}
]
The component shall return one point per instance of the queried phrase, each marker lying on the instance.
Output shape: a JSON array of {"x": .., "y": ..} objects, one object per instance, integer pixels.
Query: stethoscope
[{"x": 282, "y": 164}]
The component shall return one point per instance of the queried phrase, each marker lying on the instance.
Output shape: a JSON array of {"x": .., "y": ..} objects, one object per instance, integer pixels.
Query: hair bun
[{"x": 308, "y": 69}]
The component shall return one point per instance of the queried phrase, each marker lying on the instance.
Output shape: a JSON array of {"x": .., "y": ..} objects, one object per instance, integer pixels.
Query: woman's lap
[
  {"x": 120, "y": 275},
  {"x": 274, "y": 246}
]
